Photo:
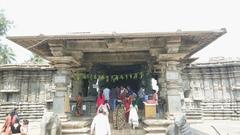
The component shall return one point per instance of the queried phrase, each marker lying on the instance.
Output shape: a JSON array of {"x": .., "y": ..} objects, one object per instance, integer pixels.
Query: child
[{"x": 24, "y": 127}]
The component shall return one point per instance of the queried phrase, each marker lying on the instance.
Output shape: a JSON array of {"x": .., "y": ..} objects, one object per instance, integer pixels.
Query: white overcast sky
[{"x": 33, "y": 17}]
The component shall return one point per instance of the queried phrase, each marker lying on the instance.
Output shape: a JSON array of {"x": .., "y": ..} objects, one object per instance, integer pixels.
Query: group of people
[
  {"x": 123, "y": 102},
  {"x": 13, "y": 125}
]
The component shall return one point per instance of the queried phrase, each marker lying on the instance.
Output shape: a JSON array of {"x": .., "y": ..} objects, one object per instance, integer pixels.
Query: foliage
[
  {"x": 36, "y": 59},
  {"x": 107, "y": 78},
  {"x": 4, "y": 24},
  {"x": 7, "y": 55}
]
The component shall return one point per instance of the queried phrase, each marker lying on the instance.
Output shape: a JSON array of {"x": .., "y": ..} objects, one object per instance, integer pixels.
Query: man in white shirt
[
  {"x": 106, "y": 93},
  {"x": 100, "y": 124}
]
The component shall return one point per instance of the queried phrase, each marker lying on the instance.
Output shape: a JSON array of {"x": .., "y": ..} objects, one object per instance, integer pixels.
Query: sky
[{"x": 49, "y": 17}]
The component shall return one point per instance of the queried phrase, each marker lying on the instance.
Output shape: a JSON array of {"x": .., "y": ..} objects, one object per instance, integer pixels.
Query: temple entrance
[{"x": 124, "y": 76}]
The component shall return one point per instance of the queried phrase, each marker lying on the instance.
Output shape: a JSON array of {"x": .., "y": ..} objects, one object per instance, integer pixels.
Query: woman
[
  {"x": 133, "y": 115},
  {"x": 100, "y": 99},
  {"x": 79, "y": 104},
  {"x": 119, "y": 117},
  {"x": 9, "y": 121},
  {"x": 127, "y": 102}
]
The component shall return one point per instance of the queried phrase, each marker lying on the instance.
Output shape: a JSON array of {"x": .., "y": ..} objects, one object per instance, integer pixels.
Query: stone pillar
[
  {"x": 62, "y": 82},
  {"x": 61, "y": 98},
  {"x": 174, "y": 87}
]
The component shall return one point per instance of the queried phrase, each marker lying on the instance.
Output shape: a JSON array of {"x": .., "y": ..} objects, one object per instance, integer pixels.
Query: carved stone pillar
[
  {"x": 174, "y": 87},
  {"x": 62, "y": 81}
]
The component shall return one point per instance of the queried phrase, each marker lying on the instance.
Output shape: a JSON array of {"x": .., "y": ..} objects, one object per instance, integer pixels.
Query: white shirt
[
  {"x": 101, "y": 125},
  {"x": 106, "y": 93}
]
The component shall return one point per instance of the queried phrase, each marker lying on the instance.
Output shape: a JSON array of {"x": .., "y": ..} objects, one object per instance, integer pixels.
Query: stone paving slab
[{"x": 224, "y": 127}]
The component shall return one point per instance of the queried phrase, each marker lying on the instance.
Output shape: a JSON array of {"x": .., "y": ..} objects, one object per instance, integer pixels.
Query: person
[
  {"x": 9, "y": 121},
  {"x": 119, "y": 117},
  {"x": 155, "y": 97},
  {"x": 141, "y": 93},
  {"x": 15, "y": 111},
  {"x": 24, "y": 127},
  {"x": 113, "y": 98},
  {"x": 100, "y": 99},
  {"x": 123, "y": 93},
  {"x": 79, "y": 104},
  {"x": 100, "y": 124},
  {"x": 133, "y": 115},
  {"x": 127, "y": 102},
  {"x": 155, "y": 101},
  {"x": 130, "y": 91},
  {"x": 106, "y": 93},
  {"x": 16, "y": 127},
  {"x": 105, "y": 107}
]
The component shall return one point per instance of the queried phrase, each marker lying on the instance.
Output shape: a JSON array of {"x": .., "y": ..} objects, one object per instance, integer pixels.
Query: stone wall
[
  {"x": 212, "y": 81},
  {"x": 26, "y": 83}
]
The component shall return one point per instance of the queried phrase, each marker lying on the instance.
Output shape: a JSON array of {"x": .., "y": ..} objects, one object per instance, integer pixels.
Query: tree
[
  {"x": 6, "y": 53},
  {"x": 4, "y": 24}
]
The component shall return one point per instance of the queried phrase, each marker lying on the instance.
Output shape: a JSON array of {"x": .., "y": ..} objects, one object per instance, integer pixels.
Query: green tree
[
  {"x": 6, "y": 53},
  {"x": 36, "y": 59},
  {"x": 4, "y": 23}
]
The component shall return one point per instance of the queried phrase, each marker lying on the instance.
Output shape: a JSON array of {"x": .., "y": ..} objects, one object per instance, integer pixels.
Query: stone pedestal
[{"x": 174, "y": 102}]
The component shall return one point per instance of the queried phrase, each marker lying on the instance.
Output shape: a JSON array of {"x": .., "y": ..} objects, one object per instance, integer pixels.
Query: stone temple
[{"x": 202, "y": 91}]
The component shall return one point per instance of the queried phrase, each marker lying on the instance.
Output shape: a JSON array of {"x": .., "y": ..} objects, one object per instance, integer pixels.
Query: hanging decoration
[{"x": 107, "y": 78}]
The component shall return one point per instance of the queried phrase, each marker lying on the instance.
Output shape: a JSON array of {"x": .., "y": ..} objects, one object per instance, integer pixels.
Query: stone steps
[
  {"x": 77, "y": 126},
  {"x": 29, "y": 111},
  {"x": 215, "y": 110},
  {"x": 155, "y": 129},
  {"x": 155, "y": 134},
  {"x": 84, "y": 130},
  {"x": 194, "y": 114},
  {"x": 156, "y": 126}
]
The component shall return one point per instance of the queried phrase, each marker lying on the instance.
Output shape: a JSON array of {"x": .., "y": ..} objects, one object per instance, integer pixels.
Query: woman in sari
[
  {"x": 79, "y": 104},
  {"x": 9, "y": 121},
  {"x": 119, "y": 117},
  {"x": 100, "y": 99}
]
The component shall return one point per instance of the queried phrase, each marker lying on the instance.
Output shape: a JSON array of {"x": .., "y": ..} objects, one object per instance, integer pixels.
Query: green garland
[{"x": 107, "y": 78}]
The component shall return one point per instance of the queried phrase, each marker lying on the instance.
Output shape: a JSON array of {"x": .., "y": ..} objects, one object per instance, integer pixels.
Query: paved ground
[{"x": 224, "y": 127}]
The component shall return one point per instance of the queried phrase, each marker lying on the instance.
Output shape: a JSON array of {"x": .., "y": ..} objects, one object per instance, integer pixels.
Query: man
[
  {"x": 106, "y": 93},
  {"x": 113, "y": 98},
  {"x": 100, "y": 124}
]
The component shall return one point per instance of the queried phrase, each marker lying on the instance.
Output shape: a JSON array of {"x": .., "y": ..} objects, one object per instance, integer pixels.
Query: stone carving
[
  {"x": 50, "y": 124},
  {"x": 180, "y": 126}
]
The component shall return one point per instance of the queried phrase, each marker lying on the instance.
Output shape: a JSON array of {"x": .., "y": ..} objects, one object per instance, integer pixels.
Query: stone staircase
[
  {"x": 29, "y": 111},
  {"x": 76, "y": 126},
  {"x": 156, "y": 126},
  {"x": 221, "y": 111},
  {"x": 194, "y": 115}
]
